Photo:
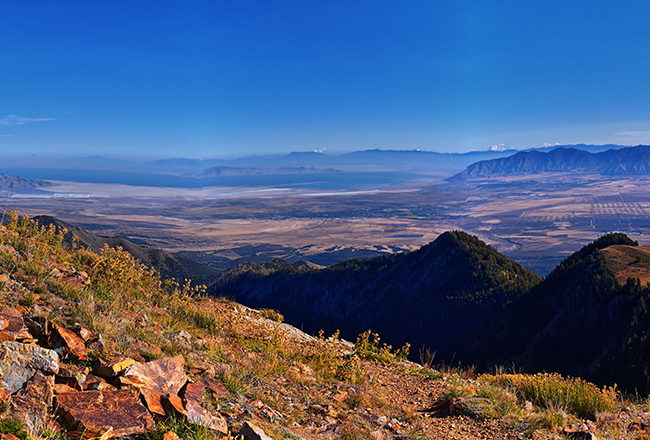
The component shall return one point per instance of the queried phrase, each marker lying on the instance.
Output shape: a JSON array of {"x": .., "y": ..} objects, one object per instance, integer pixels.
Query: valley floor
[{"x": 537, "y": 220}]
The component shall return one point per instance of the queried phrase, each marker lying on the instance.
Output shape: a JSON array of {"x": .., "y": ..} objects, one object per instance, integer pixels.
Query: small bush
[
  {"x": 273, "y": 315},
  {"x": 367, "y": 347},
  {"x": 15, "y": 427}
]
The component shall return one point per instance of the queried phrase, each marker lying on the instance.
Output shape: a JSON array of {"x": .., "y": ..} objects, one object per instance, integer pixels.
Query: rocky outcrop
[
  {"x": 112, "y": 411},
  {"x": 103, "y": 400}
]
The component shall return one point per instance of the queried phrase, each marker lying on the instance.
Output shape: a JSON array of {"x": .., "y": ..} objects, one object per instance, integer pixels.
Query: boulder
[
  {"x": 107, "y": 413},
  {"x": 19, "y": 362}
]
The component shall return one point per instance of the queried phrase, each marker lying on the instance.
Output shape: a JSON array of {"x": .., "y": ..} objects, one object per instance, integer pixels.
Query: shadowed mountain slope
[
  {"x": 621, "y": 162},
  {"x": 441, "y": 296},
  {"x": 165, "y": 263},
  {"x": 588, "y": 318}
]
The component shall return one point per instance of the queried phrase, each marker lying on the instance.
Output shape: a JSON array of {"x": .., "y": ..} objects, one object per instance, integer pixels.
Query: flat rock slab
[
  {"x": 19, "y": 362},
  {"x": 31, "y": 404},
  {"x": 116, "y": 412},
  {"x": 166, "y": 376},
  {"x": 71, "y": 344},
  {"x": 12, "y": 323},
  {"x": 196, "y": 414}
]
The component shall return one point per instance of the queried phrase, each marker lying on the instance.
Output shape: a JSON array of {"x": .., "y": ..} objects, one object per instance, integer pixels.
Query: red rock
[
  {"x": 73, "y": 376},
  {"x": 38, "y": 326},
  {"x": 60, "y": 388},
  {"x": 63, "y": 338},
  {"x": 217, "y": 389},
  {"x": 87, "y": 335},
  {"x": 30, "y": 405},
  {"x": 170, "y": 435},
  {"x": 194, "y": 391},
  {"x": 112, "y": 370},
  {"x": 165, "y": 376},
  {"x": 93, "y": 382},
  {"x": 173, "y": 406},
  {"x": 196, "y": 414},
  {"x": 15, "y": 325},
  {"x": 117, "y": 412},
  {"x": 153, "y": 400},
  {"x": 5, "y": 400}
]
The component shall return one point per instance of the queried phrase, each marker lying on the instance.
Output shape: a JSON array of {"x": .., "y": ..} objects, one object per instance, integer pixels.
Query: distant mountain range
[
  {"x": 614, "y": 162},
  {"x": 14, "y": 182},
  {"x": 197, "y": 173}
]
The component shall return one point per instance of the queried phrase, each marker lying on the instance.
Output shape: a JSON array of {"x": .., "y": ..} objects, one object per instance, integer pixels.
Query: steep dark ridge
[
  {"x": 16, "y": 182},
  {"x": 442, "y": 296},
  {"x": 165, "y": 263},
  {"x": 581, "y": 321},
  {"x": 624, "y": 161}
]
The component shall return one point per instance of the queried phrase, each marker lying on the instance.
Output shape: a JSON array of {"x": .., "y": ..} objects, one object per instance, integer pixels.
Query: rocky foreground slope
[{"x": 95, "y": 346}]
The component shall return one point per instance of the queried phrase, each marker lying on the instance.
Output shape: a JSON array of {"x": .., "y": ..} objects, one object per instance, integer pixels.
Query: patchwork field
[{"x": 537, "y": 220}]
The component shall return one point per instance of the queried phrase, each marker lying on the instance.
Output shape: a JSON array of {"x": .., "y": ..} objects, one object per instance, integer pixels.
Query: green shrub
[{"x": 15, "y": 427}]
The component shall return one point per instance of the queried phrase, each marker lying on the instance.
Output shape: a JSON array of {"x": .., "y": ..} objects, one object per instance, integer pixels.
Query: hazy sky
[{"x": 218, "y": 78}]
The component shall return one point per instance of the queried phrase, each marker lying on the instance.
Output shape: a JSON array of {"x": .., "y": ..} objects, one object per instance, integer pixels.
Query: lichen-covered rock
[
  {"x": 196, "y": 414},
  {"x": 166, "y": 376},
  {"x": 12, "y": 323},
  {"x": 156, "y": 379},
  {"x": 19, "y": 362},
  {"x": 31, "y": 404},
  {"x": 67, "y": 343},
  {"x": 109, "y": 412}
]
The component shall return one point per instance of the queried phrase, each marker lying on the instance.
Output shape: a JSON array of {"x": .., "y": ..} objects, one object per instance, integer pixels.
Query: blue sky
[{"x": 224, "y": 78}]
